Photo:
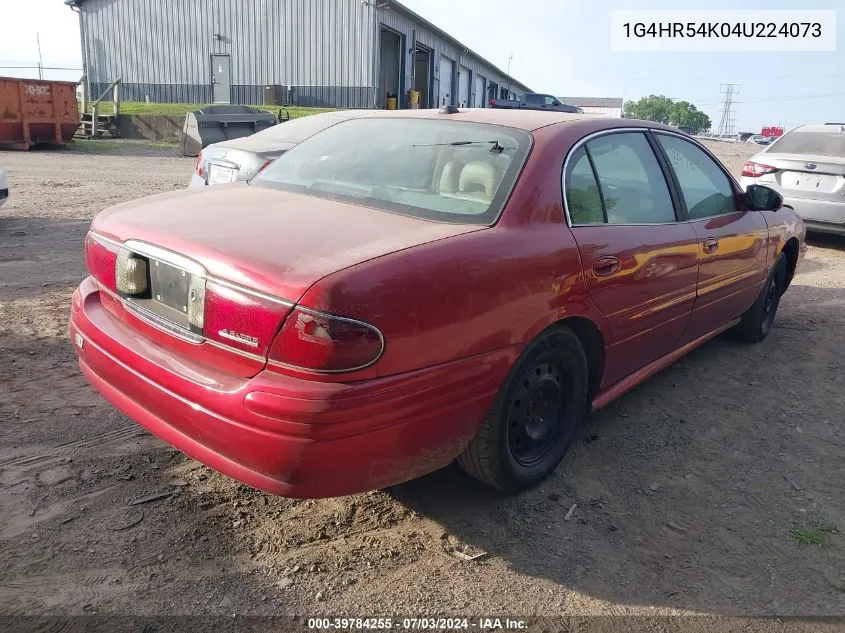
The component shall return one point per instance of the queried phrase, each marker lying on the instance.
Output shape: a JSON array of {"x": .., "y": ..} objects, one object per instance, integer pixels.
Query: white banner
[{"x": 723, "y": 31}]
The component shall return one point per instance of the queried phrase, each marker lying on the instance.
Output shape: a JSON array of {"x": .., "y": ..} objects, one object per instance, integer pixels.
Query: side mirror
[{"x": 762, "y": 198}]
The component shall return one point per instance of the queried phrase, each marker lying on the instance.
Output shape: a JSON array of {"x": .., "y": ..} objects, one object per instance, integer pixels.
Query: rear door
[
  {"x": 640, "y": 262},
  {"x": 533, "y": 101},
  {"x": 732, "y": 241}
]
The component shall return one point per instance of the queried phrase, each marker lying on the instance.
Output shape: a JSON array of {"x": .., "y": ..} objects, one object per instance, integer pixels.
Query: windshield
[
  {"x": 811, "y": 144},
  {"x": 441, "y": 170}
]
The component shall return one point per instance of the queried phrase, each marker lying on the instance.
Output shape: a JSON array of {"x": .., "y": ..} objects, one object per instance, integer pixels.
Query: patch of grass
[
  {"x": 181, "y": 109},
  {"x": 816, "y": 534},
  {"x": 118, "y": 145}
]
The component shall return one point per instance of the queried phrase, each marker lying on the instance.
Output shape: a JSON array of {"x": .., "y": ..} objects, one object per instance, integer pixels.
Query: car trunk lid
[
  {"x": 258, "y": 251},
  {"x": 820, "y": 178}
]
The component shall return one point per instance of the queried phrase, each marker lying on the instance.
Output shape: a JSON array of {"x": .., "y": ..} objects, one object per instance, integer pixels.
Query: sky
[{"x": 560, "y": 47}]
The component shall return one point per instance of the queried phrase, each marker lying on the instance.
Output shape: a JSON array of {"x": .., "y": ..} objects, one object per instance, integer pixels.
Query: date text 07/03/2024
[{"x": 482, "y": 624}]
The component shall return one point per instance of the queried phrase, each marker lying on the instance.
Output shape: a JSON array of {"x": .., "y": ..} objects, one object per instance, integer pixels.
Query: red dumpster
[{"x": 37, "y": 111}]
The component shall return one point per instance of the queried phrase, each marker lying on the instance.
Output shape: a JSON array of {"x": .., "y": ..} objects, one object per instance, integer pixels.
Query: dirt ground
[{"x": 715, "y": 488}]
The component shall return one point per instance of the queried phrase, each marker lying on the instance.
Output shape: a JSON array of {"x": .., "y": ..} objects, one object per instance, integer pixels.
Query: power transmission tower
[{"x": 727, "y": 122}]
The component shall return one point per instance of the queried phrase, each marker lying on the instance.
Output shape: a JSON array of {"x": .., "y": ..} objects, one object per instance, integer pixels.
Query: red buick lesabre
[{"x": 408, "y": 288}]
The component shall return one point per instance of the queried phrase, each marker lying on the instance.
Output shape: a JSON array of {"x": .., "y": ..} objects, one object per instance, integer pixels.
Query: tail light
[
  {"x": 753, "y": 170},
  {"x": 101, "y": 260},
  {"x": 130, "y": 273},
  {"x": 198, "y": 166},
  {"x": 317, "y": 341},
  {"x": 239, "y": 319}
]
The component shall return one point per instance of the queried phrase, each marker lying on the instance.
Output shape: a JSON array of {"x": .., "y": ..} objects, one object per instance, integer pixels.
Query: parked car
[
  {"x": 807, "y": 167},
  {"x": 242, "y": 158},
  {"x": 534, "y": 101},
  {"x": 406, "y": 288},
  {"x": 4, "y": 187},
  {"x": 759, "y": 139}
]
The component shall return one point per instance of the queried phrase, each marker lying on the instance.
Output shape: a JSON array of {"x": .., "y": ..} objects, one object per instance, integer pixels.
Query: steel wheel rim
[
  {"x": 770, "y": 305},
  {"x": 536, "y": 413}
]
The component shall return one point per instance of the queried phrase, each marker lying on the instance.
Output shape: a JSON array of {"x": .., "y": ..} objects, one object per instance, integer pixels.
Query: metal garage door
[
  {"x": 446, "y": 71},
  {"x": 479, "y": 92},
  {"x": 463, "y": 87}
]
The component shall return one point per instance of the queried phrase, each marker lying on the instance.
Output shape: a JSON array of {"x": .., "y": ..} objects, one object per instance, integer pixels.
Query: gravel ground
[{"x": 715, "y": 488}]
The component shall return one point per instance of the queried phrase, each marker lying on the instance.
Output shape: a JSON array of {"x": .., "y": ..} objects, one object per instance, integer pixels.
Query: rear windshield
[
  {"x": 297, "y": 130},
  {"x": 440, "y": 170},
  {"x": 811, "y": 143}
]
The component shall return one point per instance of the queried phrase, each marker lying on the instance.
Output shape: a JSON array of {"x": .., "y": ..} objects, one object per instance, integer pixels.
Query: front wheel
[
  {"x": 534, "y": 416},
  {"x": 757, "y": 321}
]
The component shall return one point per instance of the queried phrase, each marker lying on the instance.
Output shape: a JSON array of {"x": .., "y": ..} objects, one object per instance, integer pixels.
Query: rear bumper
[
  {"x": 281, "y": 434},
  {"x": 825, "y": 227}
]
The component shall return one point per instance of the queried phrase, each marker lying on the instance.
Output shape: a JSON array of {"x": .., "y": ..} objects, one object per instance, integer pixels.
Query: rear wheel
[
  {"x": 534, "y": 416},
  {"x": 757, "y": 321}
]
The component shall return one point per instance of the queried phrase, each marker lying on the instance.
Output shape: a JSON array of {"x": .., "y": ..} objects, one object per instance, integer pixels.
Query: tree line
[{"x": 669, "y": 111}]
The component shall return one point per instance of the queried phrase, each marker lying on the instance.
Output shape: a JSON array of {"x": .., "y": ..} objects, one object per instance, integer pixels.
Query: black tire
[
  {"x": 757, "y": 321},
  {"x": 534, "y": 416}
]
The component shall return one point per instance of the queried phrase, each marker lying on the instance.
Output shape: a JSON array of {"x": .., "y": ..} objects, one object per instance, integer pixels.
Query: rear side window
[
  {"x": 810, "y": 143},
  {"x": 533, "y": 99},
  {"x": 704, "y": 186},
  {"x": 630, "y": 181}
]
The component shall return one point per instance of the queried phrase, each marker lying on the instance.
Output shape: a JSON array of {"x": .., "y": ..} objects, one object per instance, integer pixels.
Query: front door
[
  {"x": 640, "y": 263},
  {"x": 221, "y": 79},
  {"x": 732, "y": 242}
]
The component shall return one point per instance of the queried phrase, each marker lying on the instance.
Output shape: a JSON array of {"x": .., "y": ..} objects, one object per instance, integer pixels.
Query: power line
[
  {"x": 761, "y": 100},
  {"x": 42, "y": 67}
]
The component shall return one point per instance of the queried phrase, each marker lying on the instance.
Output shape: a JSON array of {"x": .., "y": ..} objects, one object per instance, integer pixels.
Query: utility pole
[
  {"x": 726, "y": 123},
  {"x": 509, "y": 75},
  {"x": 40, "y": 63}
]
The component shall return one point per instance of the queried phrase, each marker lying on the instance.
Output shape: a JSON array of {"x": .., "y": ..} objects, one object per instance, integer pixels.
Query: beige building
[{"x": 608, "y": 107}]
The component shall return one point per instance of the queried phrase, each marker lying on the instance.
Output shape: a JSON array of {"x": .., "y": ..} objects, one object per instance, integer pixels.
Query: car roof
[
  {"x": 523, "y": 119},
  {"x": 822, "y": 127}
]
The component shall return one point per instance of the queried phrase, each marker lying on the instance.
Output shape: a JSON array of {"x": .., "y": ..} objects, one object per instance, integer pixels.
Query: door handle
[
  {"x": 606, "y": 266},
  {"x": 711, "y": 244}
]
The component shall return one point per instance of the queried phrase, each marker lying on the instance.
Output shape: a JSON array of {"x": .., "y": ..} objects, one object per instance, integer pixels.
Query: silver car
[
  {"x": 242, "y": 158},
  {"x": 807, "y": 167},
  {"x": 759, "y": 139}
]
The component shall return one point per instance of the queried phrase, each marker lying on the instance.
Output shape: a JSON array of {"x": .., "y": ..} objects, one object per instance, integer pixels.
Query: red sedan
[{"x": 408, "y": 288}]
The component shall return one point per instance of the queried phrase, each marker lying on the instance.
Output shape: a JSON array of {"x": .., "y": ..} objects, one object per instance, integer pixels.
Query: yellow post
[
  {"x": 391, "y": 103},
  {"x": 414, "y": 99}
]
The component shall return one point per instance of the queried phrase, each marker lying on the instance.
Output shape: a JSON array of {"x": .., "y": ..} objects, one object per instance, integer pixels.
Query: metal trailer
[
  {"x": 221, "y": 123},
  {"x": 35, "y": 111}
]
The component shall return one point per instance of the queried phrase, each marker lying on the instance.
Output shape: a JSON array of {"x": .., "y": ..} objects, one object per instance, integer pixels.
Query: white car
[
  {"x": 759, "y": 139},
  {"x": 242, "y": 158},
  {"x": 807, "y": 167},
  {"x": 4, "y": 187}
]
